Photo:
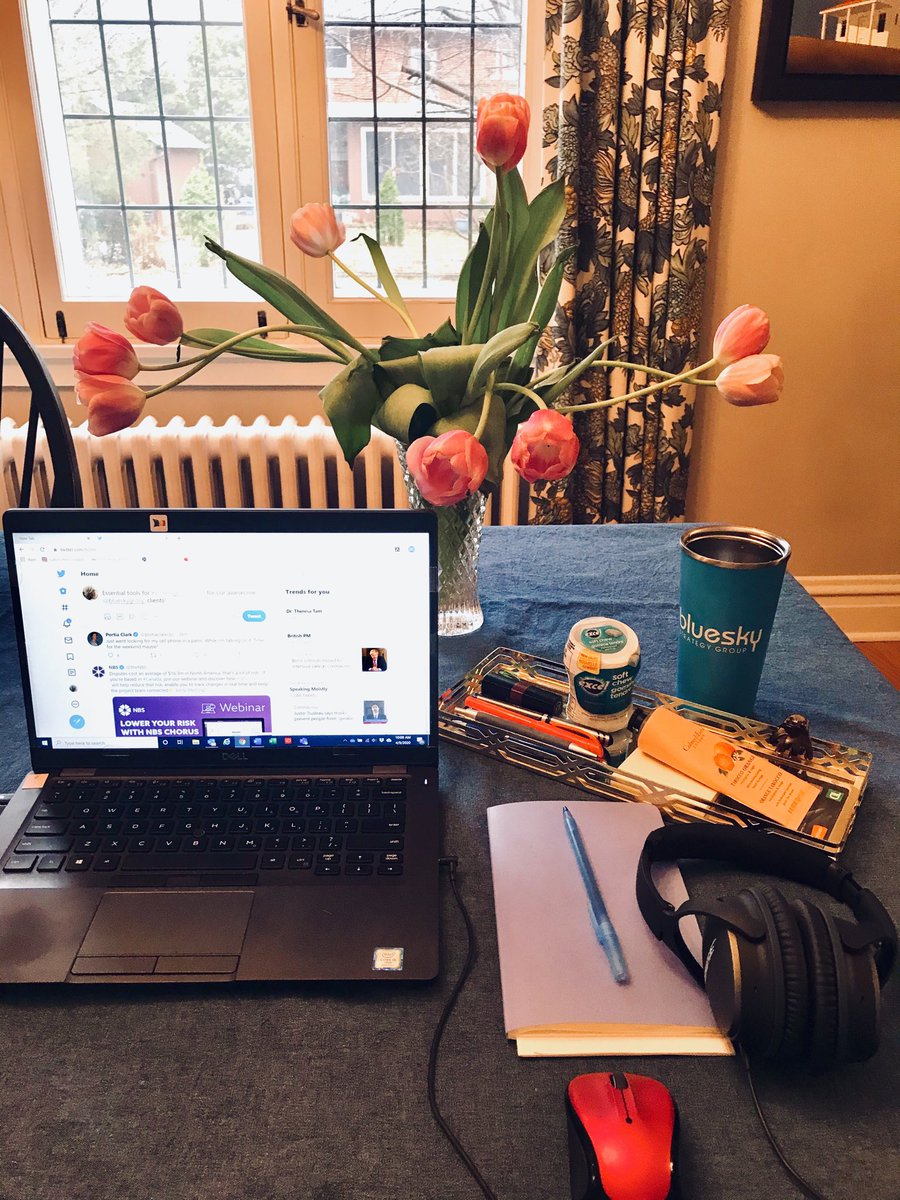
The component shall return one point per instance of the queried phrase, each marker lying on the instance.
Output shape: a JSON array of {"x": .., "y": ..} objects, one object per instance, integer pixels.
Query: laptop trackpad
[{"x": 170, "y": 923}]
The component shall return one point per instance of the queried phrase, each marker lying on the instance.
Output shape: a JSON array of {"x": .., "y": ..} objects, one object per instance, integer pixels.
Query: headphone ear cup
[
  {"x": 790, "y": 976},
  {"x": 844, "y": 991},
  {"x": 758, "y": 989},
  {"x": 826, "y": 1016}
]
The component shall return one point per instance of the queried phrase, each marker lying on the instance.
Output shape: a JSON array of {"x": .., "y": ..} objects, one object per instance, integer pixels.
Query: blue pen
[{"x": 603, "y": 926}]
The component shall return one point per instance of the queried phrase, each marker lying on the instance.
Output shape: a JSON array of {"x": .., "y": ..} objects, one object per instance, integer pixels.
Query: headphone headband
[{"x": 769, "y": 854}]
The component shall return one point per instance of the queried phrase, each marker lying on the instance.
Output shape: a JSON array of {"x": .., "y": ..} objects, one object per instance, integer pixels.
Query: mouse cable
[
  {"x": 471, "y": 957},
  {"x": 805, "y": 1187}
]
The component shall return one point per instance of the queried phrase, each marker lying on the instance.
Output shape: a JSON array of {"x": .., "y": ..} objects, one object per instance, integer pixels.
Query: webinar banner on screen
[{"x": 191, "y": 716}]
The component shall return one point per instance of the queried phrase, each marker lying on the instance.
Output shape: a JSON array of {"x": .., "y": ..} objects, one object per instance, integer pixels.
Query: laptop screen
[{"x": 183, "y": 640}]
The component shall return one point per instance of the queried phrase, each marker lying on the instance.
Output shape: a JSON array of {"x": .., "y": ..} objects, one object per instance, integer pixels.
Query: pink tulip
[
  {"x": 101, "y": 351},
  {"x": 316, "y": 230},
  {"x": 502, "y": 130},
  {"x": 757, "y": 379},
  {"x": 744, "y": 331},
  {"x": 112, "y": 402},
  {"x": 545, "y": 446},
  {"x": 449, "y": 467},
  {"x": 152, "y": 317}
]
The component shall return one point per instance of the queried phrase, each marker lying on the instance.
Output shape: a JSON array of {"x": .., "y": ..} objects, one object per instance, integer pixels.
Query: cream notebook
[{"x": 559, "y": 996}]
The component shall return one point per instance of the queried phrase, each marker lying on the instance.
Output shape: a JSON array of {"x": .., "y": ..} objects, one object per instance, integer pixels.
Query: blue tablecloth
[{"x": 319, "y": 1092}]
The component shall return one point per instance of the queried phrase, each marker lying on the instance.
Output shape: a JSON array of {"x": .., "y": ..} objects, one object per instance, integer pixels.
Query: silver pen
[{"x": 602, "y": 925}]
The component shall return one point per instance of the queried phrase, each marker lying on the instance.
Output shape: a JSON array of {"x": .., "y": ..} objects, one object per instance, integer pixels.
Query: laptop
[{"x": 227, "y": 783}]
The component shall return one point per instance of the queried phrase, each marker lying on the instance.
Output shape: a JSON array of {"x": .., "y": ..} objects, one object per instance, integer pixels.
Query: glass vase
[{"x": 459, "y": 541}]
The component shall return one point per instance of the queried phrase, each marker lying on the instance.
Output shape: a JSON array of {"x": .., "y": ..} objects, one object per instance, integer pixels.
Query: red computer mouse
[{"x": 623, "y": 1131}]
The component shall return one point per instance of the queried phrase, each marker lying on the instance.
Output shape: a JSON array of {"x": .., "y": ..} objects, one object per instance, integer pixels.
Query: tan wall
[{"x": 806, "y": 223}]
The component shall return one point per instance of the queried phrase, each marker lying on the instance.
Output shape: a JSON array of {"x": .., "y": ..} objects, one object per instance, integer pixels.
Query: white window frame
[{"x": 286, "y": 69}]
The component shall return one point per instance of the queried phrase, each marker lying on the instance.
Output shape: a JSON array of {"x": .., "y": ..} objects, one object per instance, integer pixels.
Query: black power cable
[
  {"x": 471, "y": 958},
  {"x": 805, "y": 1187}
]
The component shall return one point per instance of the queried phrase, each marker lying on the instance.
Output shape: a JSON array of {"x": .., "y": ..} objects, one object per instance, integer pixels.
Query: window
[
  {"x": 882, "y": 22},
  {"x": 139, "y": 127},
  {"x": 145, "y": 113},
  {"x": 409, "y": 105}
]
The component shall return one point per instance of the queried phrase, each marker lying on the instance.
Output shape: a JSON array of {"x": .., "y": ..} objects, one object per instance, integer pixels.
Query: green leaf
[
  {"x": 446, "y": 370},
  {"x": 470, "y": 278},
  {"x": 394, "y": 347},
  {"x": 350, "y": 401},
  {"x": 407, "y": 413},
  {"x": 551, "y": 387},
  {"x": 253, "y": 347},
  {"x": 283, "y": 295},
  {"x": 493, "y": 437},
  {"x": 397, "y": 371},
  {"x": 544, "y": 307},
  {"x": 545, "y": 216},
  {"x": 385, "y": 277},
  {"x": 501, "y": 346},
  {"x": 516, "y": 200}
]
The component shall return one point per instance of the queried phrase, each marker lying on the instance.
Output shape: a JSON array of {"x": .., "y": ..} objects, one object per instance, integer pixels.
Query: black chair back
[{"x": 46, "y": 406}]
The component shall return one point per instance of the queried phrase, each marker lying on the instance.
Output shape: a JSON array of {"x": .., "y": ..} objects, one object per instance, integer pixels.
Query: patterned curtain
[{"x": 632, "y": 95}]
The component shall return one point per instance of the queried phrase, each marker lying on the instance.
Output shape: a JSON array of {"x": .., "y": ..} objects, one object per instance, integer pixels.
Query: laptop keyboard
[{"x": 215, "y": 828}]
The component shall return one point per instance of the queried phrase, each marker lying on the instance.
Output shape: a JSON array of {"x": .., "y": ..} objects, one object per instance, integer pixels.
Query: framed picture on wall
[{"x": 828, "y": 50}]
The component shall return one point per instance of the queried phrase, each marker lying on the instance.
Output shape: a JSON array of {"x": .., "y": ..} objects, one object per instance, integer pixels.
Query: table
[{"x": 318, "y": 1092}]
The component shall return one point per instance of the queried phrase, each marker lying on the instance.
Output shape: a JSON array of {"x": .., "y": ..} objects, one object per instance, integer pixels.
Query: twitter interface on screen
[{"x": 226, "y": 639}]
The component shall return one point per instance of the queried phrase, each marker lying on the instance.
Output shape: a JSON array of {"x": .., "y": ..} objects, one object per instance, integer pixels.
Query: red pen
[{"x": 566, "y": 737}]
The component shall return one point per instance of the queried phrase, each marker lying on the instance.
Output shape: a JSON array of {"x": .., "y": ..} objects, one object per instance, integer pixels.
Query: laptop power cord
[{"x": 450, "y": 864}]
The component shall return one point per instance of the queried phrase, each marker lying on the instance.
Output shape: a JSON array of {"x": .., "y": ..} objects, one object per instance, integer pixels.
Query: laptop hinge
[{"x": 394, "y": 769}]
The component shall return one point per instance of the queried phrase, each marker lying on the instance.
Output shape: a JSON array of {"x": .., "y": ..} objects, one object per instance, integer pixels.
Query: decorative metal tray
[{"x": 840, "y": 772}]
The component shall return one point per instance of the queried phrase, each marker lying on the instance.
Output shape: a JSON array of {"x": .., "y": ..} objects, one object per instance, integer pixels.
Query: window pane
[
  {"x": 92, "y": 161},
  {"x": 182, "y": 70},
  {"x": 401, "y": 127},
  {"x": 167, "y": 184},
  {"x": 129, "y": 58}
]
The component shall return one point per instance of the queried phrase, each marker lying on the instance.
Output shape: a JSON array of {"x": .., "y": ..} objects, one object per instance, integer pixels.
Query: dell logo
[{"x": 233, "y": 756}]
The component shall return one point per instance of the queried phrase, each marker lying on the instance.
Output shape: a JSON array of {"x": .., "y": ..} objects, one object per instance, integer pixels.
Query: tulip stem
[
  {"x": 521, "y": 390},
  {"x": 198, "y": 364},
  {"x": 404, "y": 316},
  {"x": 171, "y": 366},
  {"x": 485, "y": 408},
  {"x": 654, "y": 387}
]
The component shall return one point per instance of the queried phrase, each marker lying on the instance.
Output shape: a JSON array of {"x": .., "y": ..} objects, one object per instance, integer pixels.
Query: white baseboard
[{"x": 866, "y": 607}]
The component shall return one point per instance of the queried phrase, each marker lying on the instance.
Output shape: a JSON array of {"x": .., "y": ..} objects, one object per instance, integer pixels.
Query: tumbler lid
[{"x": 737, "y": 546}]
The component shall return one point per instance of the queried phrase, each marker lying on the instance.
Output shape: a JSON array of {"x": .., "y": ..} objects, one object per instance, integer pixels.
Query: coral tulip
[
  {"x": 502, "y": 130},
  {"x": 101, "y": 351},
  {"x": 743, "y": 332},
  {"x": 316, "y": 230},
  {"x": 112, "y": 402},
  {"x": 545, "y": 446},
  {"x": 152, "y": 317},
  {"x": 757, "y": 379},
  {"x": 449, "y": 467}
]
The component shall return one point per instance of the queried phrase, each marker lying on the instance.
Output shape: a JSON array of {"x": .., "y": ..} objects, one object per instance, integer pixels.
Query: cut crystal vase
[{"x": 459, "y": 540}]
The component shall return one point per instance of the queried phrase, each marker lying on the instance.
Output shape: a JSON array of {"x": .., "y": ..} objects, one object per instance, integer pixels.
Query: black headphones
[{"x": 785, "y": 979}]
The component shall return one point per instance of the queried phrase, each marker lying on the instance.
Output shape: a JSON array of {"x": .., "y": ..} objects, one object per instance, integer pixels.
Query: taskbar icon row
[{"x": 289, "y": 742}]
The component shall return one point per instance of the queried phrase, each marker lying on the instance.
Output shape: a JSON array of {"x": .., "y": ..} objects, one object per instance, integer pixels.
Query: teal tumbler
[{"x": 730, "y": 583}]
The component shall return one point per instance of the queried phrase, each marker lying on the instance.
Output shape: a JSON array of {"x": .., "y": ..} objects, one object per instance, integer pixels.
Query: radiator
[{"x": 230, "y": 466}]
